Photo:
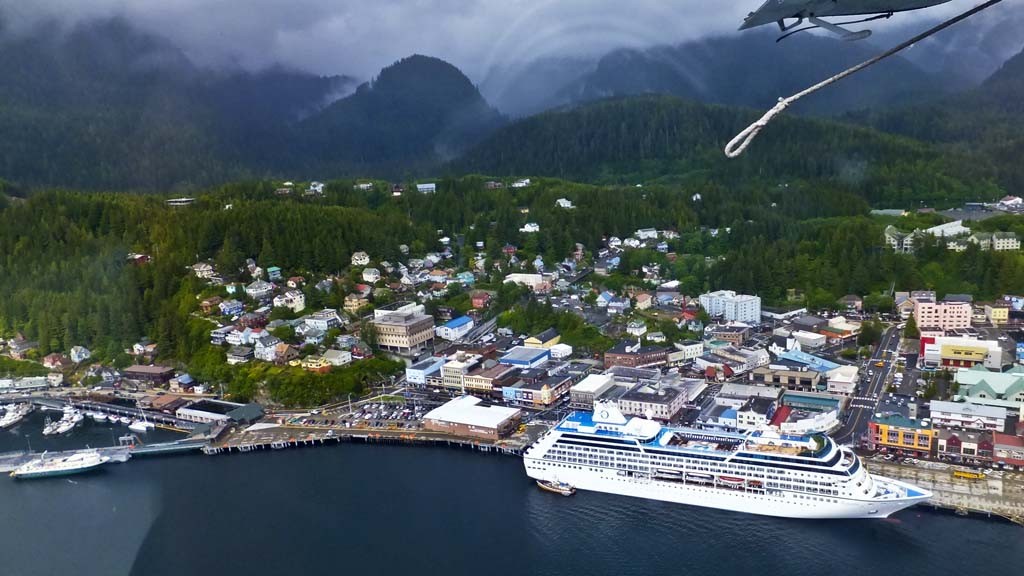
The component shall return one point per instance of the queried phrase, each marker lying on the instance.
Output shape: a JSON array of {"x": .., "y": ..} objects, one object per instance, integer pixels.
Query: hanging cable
[{"x": 739, "y": 144}]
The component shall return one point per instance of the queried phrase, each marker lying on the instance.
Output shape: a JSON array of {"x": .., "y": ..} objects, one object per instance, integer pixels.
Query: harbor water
[{"x": 364, "y": 509}]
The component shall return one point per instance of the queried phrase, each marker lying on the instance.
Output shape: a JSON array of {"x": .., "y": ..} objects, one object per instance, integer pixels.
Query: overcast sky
[{"x": 358, "y": 37}]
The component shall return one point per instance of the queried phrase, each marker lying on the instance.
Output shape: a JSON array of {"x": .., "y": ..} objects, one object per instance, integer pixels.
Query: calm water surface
[{"x": 355, "y": 509}]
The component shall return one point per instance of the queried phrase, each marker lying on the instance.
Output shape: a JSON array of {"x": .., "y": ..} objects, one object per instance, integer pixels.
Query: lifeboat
[{"x": 731, "y": 480}]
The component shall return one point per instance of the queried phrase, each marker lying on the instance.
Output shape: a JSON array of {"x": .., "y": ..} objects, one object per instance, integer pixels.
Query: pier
[
  {"x": 268, "y": 436},
  {"x": 998, "y": 494}
]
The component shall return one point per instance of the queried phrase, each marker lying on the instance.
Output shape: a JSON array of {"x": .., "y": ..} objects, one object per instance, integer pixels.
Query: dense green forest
[
  {"x": 660, "y": 138},
  {"x": 986, "y": 123}
]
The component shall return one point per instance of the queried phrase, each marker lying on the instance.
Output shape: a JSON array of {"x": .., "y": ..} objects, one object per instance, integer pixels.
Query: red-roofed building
[
  {"x": 781, "y": 415},
  {"x": 1007, "y": 449}
]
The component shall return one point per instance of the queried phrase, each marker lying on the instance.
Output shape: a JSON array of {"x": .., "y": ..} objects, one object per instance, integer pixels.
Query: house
[
  {"x": 465, "y": 278},
  {"x": 296, "y": 282},
  {"x": 437, "y": 275},
  {"x": 901, "y": 242},
  {"x": 259, "y": 289},
  {"x": 80, "y": 354},
  {"x": 604, "y": 298},
  {"x": 239, "y": 355},
  {"x": 525, "y": 182},
  {"x": 428, "y": 188},
  {"x": 360, "y": 259},
  {"x": 355, "y": 302},
  {"x": 636, "y": 328},
  {"x": 210, "y": 304},
  {"x": 657, "y": 337},
  {"x": 644, "y": 301},
  {"x": 239, "y": 336},
  {"x": 646, "y": 234},
  {"x": 315, "y": 188},
  {"x": 371, "y": 275},
  {"x": 397, "y": 189},
  {"x": 314, "y": 337},
  {"x": 338, "y": 357},
  {"x": 363, "y": 186},
  {"x": 294, "y": 300},
  {"x": 851, "y": 302},
  {"x": 19, "y": 347},
  {"x": 54, "y": 361},
  {"x": 219, "y": 335},
  {"x": 564, "y": 203},
  {"x": 231, "y": 308},
  {"x": 203, "y": 270},
  {"x": 632, "y": 243},
  {"x": 324, "y": 319},
  {"x": 273, "y": 273},
  {"x": 317, "y": 364},
  {"x": 618, "y": 305},
  {"x": 493, "y": 185},
  {"x": 325, "y": 285},
  {"x": 265, "y": 347},
  {"x": 509, "y": 250},
  {"x": 480, "y": 299},
  {"x": 530, "y": 227},
  {"x": 285, "y": 353}
]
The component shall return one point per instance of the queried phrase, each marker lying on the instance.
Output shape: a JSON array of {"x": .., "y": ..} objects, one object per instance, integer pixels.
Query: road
[{"x": 866, "y": 397}]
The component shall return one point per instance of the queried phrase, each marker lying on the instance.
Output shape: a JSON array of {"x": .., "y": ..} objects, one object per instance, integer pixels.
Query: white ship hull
[{"x": 783, "y": 504}]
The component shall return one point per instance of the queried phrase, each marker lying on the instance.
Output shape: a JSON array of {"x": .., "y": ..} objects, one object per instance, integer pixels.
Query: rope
[{"x": 739, "y": 144}]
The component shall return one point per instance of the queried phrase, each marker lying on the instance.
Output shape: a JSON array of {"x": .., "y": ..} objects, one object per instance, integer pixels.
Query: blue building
[
  {"x": 455, "y": 329},
  {"x": 526, "y": 358}
]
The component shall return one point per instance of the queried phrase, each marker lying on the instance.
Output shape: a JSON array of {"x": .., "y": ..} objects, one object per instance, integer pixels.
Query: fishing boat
[{"x": 556, "y": 487}]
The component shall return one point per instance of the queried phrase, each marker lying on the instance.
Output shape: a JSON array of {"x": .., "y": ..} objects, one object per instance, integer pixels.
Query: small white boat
[
  {"x": 65, "y": 426},
  {"x": 99, "y": 417},
  {"x": 138, "y": 426},
  {"x": 77, "y": 417},
  {"x": 125, "y": 420},
  {"x": 557, "y": 487}
]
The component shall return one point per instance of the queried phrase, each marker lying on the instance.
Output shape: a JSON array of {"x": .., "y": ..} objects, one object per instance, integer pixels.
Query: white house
[
  {"x": 564, "y": 203},
  {"x": 371, "y": 275},
  {"x": 265, "y": 347},
  {"x": 80, "y": 354},
  {"x": 259, "y": 289},
  {"x": 636, "y": 328},
  {"x": 428, "y": 188},
  {"x": 338, "y": 357},
  {"x": 521, "y": 183},
  {"x": 530, "y": 227},
  {"x": 294, "y": 300},
  {"x": 647, "y": 234},
  {"x": 324, "y": 319},
  {"x": 360, "y": 259}
]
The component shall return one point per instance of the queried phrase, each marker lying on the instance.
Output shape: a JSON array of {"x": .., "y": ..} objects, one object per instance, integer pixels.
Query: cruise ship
[
  {"x": 758, "y": 472},
  {"x": 45, "y": 466}
]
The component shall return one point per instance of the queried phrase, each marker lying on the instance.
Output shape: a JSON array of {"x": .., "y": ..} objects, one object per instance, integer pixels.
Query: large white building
[
  {"x": 968, "y": 416},
  {"x": 731, "y": 306}
]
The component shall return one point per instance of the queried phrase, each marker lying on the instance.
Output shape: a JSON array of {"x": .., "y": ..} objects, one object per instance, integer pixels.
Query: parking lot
[{"x": 389, "y": 415}]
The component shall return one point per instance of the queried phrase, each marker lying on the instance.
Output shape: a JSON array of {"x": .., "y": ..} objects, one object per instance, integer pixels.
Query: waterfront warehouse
[{"x": 464, "y": 416}]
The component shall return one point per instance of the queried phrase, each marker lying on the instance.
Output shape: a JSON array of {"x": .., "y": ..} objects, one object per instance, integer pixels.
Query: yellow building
[
  {"x": 545, "y": 339},
  {"x": 997, "y": 315},
  {"x": 900, "y": 433}
]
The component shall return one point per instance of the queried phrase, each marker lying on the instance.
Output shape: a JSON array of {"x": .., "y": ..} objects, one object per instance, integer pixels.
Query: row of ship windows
[
  {"x": 599, "y": 457},
  {"x": 795, "y": 483},
  {"x": 770, "y": 485}
]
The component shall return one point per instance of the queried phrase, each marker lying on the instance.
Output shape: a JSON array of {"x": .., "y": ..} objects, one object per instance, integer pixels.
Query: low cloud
[{"x": 358, "y": 37}]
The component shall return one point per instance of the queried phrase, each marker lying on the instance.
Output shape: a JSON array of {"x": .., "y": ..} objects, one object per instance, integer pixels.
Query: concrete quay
[{"x": 998, "y": 494}]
